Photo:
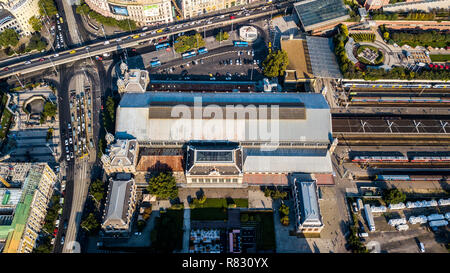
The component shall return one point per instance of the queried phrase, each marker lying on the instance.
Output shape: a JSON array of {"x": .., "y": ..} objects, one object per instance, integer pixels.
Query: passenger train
[
  {"x": 361, "y": 158},
  {"x": 396, "y": 85}
]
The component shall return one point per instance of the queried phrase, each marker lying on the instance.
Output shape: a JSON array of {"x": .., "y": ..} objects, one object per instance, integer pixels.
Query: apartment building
[
  {"x": 144, "y": 12},
  {"x": 22, "y": 10},
  {"x": 194, "y": 8},
  {"x": 25, "y": 197},
  {"x": 7, "y": 20}
]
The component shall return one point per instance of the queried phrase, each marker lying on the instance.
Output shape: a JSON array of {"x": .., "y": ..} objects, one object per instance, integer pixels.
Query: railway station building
[{"x": 229, "y": 140}]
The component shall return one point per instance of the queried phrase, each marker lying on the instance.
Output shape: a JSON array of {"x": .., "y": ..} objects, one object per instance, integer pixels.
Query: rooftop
[
  {"x": 308, "y": 203},
  {"x": 287, "y": 161},
  {"x": 116, "y": 211},
  {"x": 223, "y": 160},
  {"x": 301, "y": 116},
  {"x": 299, "y": 67},
  {"x": 317, "y": 13},
  {"x": 122, "y": 152}
]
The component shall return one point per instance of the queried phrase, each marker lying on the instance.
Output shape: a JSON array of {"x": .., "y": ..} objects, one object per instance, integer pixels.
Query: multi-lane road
[{"x": 122, "y": 41}]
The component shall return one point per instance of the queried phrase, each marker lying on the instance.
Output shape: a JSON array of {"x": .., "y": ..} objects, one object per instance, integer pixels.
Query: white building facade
[{"x": 144, "y": 12}]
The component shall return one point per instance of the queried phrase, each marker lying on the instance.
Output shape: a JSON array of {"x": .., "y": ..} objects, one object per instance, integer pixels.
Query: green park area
[
  {"x": 214, "y": 208},
  {"x": 185, "y": 43}
]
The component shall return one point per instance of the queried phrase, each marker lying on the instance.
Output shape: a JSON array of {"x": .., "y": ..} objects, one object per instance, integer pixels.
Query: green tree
[
  {"x": 90, "y": 224},
  {"x": 164, "y": 186},
  {"x": 47, "y": 8},
  {"x": 279, "y": 195},
  {"x": 222, "y": 36},
  {"x": 386, "y": 36},
  {"x": 36, "y": 43},
  {"x": 97, "y": 190},
  {"x": 394, "y": 196},
  {"x": 344, "y": 30},
  {"x": 109, "y": 116},
  {"x": 275, "y": 63},
  {"x": 185, "y": 43},
  {"x": 284, "y": 220},
  {"x": 9, "y": 37},
  {"x": 284, "y": 209},
  {"x": 35, "y": 23}
]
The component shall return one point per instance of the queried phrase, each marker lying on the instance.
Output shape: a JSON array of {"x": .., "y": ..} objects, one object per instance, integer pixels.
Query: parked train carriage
[
  {"x": 395, "y": 177},
  {"x": 400, "y": 99},
  {"x": 380, "y": 159},
  {"x": 392, "y": 177},
  {"x": 430, "y": 159},
  {"x": 387, "y": 85},
  {"x": 426, "y": 177}
]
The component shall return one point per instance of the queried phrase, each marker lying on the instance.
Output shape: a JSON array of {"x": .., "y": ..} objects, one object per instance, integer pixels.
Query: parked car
[
  {"x": 421, "y": 247},
  {"x": 62, "y": 239}
]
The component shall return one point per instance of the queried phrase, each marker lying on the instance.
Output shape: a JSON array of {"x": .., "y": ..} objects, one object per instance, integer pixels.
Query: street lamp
[{"x": 48, "y": 146}]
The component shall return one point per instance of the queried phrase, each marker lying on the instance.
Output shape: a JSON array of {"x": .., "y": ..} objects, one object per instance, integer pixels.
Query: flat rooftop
[
  {"x": 299, "y": 67},
  {"x": 317, "y": 13}
]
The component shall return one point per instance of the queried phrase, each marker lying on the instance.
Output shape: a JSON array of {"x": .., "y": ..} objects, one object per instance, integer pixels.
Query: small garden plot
[
  {"x": 369, "y": 55},
  {"x": 363, "y": 37}
]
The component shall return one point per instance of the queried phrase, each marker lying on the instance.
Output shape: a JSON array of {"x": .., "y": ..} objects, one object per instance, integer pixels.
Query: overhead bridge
[{"x": 87, "y": 51}]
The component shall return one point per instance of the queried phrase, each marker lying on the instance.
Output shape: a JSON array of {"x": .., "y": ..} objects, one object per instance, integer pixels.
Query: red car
[
  {"x": 55, "y": 232},
  {"x": 5, "y": 69},
  {"x": 134, "y": 49},
  {"x": 232, "y": 17},
  {"x": 41, "y": 59}
]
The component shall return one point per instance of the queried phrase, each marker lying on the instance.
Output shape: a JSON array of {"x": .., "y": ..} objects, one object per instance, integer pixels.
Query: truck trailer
[{"x": 369, "y": 217}]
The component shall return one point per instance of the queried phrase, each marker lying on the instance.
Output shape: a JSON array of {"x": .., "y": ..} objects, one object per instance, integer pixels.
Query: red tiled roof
[
  {"x": 160, "y": 162},
  {"x": 266, "y": 179},
  {"x": 324, "y": 179}
]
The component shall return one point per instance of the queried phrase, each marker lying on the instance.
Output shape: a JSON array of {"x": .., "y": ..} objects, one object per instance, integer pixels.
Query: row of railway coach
[
  {"x": 388, "y": 158},
  {"x": 405, "y": 177},
  {"x": 400, "y": 99},
  {"x": 391, "y": 85}
]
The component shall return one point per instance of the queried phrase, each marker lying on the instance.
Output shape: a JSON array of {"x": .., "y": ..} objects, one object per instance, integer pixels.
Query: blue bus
[
  {"x": 240, "y": 43},
  {"x": 155, "y": 63},
  {"x": 202, "y": 50},
  {"x": 189, "y": 54},
  {"x": 162, "y": 46}
]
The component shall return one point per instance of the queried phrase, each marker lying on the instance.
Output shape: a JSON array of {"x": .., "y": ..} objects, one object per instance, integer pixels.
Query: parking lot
[{"x": 237, "y": 64}]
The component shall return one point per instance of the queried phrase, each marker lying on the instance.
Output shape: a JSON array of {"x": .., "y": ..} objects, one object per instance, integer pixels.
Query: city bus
[
  {"x": 161, "y": 46},
  {"x": 202, "y": 50},
  {"x": 240, "y": 43},
  {"x": 189, "y": 54},
  {"x": 155, "y": 63}
]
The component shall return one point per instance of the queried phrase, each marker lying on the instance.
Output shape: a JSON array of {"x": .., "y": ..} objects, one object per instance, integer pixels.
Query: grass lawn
[
  {"x": 265, "y": 237},
  {"x": 220, "y": 203},
  {"x": 167, "y": 235},
  {"x": 440, "y": 58},
  {"x": 209, "y": 214}
]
